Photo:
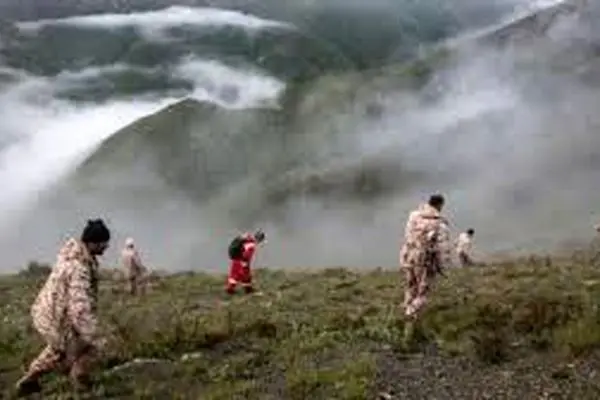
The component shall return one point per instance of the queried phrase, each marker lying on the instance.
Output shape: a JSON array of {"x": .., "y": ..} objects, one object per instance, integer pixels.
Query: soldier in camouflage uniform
[
  {"x": 134, "y": 269},
  {"x": 426, "y": 249},
  {"x": 464, "y": 247},
  {"x": 65, "y": 313}
]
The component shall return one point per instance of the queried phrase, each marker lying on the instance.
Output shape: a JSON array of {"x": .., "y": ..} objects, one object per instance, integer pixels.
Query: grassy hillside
[
  {"x": 203, "y": 150},
  {"x": 522, "y": 329}
]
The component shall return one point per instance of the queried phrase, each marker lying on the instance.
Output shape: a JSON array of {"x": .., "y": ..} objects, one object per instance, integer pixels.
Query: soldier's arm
[
  {"x": 81, "y": 311},
  {"x": 125, "y": 259},
  {"x": 248, "y": 252},
  {"x": 445, "y": 246},
  {"x": 411, "y": 224},
  {"x": 140, "y": 262},
  {"x": 409, "y": 228},
  {"x": 137, "y": 260}
]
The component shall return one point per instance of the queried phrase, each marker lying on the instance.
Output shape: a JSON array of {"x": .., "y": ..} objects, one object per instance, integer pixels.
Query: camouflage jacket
[
  {"x": 426, "y": 233},
  {"x": 68, "y": 299},
  {"x": 132, "y": 262},
  {"x": 464, "y": 244}
]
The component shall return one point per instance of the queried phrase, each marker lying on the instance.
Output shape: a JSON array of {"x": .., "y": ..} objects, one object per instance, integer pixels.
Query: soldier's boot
[
  {"x": 28, "y": 385},
  {"x": 47, "y": 361},
  {"x": 79, "y": 375}
]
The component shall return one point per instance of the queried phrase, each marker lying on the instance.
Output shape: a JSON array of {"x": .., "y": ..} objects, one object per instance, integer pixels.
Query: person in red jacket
[{"x": 241, "y": 254}]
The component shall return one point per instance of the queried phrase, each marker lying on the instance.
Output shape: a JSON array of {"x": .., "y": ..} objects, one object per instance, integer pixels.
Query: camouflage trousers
[
  {"x": 76, "y": 359},
  {"x": 136, "y": 284},
  {"x": 465, "y": 260},
  {"x": 136, "y": 280},
  {"x": 418, "y": 283}
]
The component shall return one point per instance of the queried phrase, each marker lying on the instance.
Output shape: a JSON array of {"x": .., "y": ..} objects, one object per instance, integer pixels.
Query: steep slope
[
  {"x": 344, "y": 152},
  {"x": 522, "y": 329},
  {"x": 309, "y": 147},
  {"x": 215, "y": 155}
]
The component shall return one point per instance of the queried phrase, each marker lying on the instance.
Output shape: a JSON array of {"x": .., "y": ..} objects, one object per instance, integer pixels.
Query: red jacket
[
  {"x": 239, "y": 270},
  {"x": 248, "y": 251}
]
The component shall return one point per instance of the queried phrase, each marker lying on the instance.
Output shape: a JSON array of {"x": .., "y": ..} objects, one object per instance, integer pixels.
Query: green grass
[{"x": 330, "y": 334}]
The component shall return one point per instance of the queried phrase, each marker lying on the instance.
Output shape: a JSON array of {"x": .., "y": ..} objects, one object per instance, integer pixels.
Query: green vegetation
[{"x": 528, "y": 328}]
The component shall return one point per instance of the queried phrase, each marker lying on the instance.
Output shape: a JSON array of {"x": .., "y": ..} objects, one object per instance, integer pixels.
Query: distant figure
[
  {"x": 241, "y": 253},
  {"x": 134, "y": 269},
  {"x": 426, "y": 250},
  {"x": 595, "y": 246},
  {"x": 65, "y": 312},
  {"x": 464, "y": 246}
]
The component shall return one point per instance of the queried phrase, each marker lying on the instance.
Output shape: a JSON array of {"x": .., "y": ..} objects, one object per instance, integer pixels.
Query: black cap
[
  {"x": 95, "y": 232},
  {"x": 436, "y": 200}
]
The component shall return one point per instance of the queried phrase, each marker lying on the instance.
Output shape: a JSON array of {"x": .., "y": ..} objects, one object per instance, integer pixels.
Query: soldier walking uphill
[
  {"x": 241, "y": 253},
  {"x": 134, "y": 269},
  {"x": 65, "y": 313},
  {"x": 426, "y": 249}
]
